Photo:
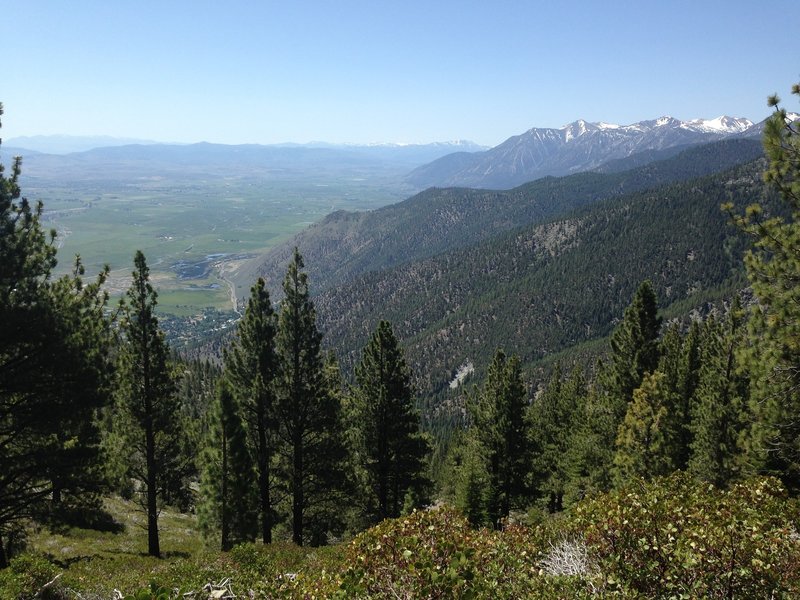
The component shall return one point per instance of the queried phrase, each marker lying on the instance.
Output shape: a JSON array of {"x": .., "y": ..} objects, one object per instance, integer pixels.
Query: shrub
[
  {"x": 677, "y": 537},
  {"x": 436, "y": 554},
  {"x": 25, "y": 576}
]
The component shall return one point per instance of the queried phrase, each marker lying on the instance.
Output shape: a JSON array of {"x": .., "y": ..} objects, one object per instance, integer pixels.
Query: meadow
[{"x": 202, "y": 237}]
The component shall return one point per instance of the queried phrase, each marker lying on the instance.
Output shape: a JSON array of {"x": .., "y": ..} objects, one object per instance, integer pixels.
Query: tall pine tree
[
  {"x": 773, "y": 268},
  {"x": 498, "y": 420},
  {"x": 389, "y": 445},
  {"x": 680, "y": 364},
  {"x": 228, "y": 499},
  {"x": 634, "y": 347},
  {"x": 718, "y": 416},
  {"x": 309, "y": 415},
  {"x": 551, "y": 422},
  {"x": 251, "y": 365},
  {"x": 634, "y": 353},
  {"x": 146, "y": 420},
  {"x": 53, "y": 366}
]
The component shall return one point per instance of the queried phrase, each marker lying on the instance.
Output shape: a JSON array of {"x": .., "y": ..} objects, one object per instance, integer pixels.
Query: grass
[
  {"x": 93, "y": 563},
  {"x": 97, "y": 562}
]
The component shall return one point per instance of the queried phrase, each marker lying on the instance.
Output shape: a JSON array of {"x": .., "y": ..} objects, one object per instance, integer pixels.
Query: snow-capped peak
[
  {"x": 576, "y": 129},
  {"x": 721, "y": 124}
]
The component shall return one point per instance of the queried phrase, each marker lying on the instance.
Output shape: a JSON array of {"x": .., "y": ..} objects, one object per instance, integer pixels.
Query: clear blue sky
[{"x": 379, "y": 70}]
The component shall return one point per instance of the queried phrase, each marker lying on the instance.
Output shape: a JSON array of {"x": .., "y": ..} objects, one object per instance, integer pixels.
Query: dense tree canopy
[{"x": 54, "y": 365}]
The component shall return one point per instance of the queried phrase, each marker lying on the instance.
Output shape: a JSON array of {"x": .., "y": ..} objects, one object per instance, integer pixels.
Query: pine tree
[
  {"x": 498, "y": 416},
  {"x": 551, "y": 419},
  {"x": 310, "y": 422},
  {"x": 390, "y": 447},
  {"x": 680, "y": 364},
  {"x": 228, "y": 501},
  {"x": 634, "y": 353},
  {"x": 634, "y": 347},
  {"x": 590, "y": 453},
  {"x": 81, "y": 385},
  {"x": 644, "y": 445},
  {"x": 146, "y": 420},
  {"x": 472, "y": 484},
  {"x": 252, "y": 366},
  {"x": 718, "y": 406},
  {"x": 773, "y": 268}
]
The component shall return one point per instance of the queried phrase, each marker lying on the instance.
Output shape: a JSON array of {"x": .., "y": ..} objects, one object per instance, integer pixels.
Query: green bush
[
  {"x": 25, "y": 576},
  {"x": 436, "y": 554},
  {"x": 679, "y": 538}
]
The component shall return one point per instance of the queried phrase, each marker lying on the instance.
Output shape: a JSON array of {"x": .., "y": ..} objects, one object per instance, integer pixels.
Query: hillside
[
  {"x": 347, "y": 244},
  {"x": 545, "y": 287}
]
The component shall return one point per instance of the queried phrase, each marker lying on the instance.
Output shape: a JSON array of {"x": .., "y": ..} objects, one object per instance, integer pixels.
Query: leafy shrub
[
  {"x": 680, "y": 538},
  {"x": 155, "y": 592},
  {"x": 25, "y": 576},
  {"x": 281, "y": 568},
  {"x": 436, "y": 554}
]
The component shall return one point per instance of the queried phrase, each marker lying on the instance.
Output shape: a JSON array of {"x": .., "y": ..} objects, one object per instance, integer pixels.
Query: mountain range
[
  {"x": 548, "y": 287},
  {"x": 579, "y": 146},
  {"x": 115, "y": 159},
  {"x": 539, "y": 152},
  {"x": 347, "y": 244}
]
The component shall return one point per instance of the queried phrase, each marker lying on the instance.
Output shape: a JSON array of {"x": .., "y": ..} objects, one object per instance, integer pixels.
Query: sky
[{"x": 345, "y": 71}]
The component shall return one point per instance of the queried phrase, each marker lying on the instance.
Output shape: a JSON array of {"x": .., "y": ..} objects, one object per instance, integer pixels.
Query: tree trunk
[
  {"x": 56, "y": 493},
  {"x": 383, "y": 490},
  {"x": 298, "y": 499},
  {"x": 153, "y": 548},
  {"x": 263, "y": 481},
  {"x": 225, "y": 529},
  {"x": 3, "y": 557}
]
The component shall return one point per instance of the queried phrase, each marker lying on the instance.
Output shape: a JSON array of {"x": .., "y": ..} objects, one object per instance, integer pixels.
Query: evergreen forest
[{"x": 625, "y": 421}]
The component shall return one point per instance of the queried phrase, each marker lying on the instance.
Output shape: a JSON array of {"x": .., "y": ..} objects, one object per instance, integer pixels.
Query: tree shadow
[{"x": 59, "y": 519}]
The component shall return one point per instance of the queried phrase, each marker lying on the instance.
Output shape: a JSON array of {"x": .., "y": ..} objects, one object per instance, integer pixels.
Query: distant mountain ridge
[
  {"x": 578, "y": 146},
  {"x": 406, "y": 153},
  {"x": 304, "y": 161},
  {"x": 348, "y": 244},
  {"x": 67, "y": 144}
]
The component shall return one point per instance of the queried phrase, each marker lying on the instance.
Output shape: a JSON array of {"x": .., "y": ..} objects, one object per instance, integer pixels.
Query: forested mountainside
[
  {"x": 545, "y": 287},
  {"x": 346, "y": 244}
]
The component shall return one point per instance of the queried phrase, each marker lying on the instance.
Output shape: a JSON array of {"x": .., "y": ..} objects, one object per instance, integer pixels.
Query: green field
[{"x": 188, "y": 229}]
